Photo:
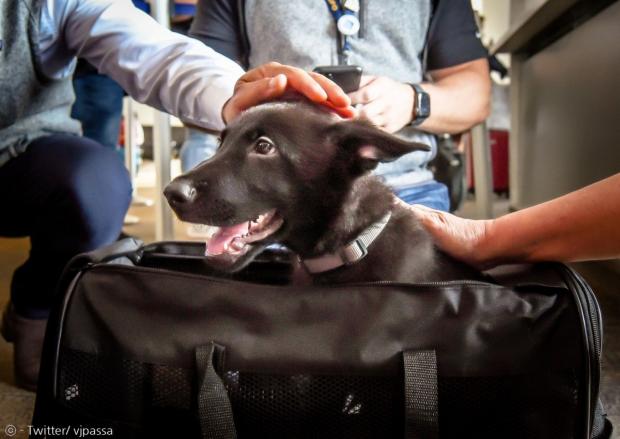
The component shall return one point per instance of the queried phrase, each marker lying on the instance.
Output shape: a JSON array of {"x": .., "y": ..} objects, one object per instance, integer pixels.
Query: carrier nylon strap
[
  {"x": 214, "y": 409},
  {"x": 421, "y": 408}
]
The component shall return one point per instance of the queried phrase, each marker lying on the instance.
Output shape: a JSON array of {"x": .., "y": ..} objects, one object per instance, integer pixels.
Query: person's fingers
[
  {"x": 268, "y": 70},
  {"x": 459, "y": 237},
  {"x": 356, "y": 96},
  {"x": 379, "y": 121},
  {"x": 372, "y": 90},
  {"x": 313, "y": 86},
  {"x": 366, "y": 79},
  {"x": 433, "y": 220},
  {"x": 248, "y": 94},
  {"x": 372, "y": 110},
  {"x": 416, "y": 207},
  {"x": 375, "y": 113},
  {"x": 345, "y": 112},
  {"x": 298, "y": 79},
  {"x": 335, "y": 94}
]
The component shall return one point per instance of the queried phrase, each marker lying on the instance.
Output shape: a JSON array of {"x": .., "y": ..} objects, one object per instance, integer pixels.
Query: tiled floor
[{"x": 16, "y": 405}]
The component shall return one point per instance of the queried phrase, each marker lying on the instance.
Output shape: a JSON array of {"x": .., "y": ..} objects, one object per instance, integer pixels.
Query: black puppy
[{"x": 295, "y": 174}]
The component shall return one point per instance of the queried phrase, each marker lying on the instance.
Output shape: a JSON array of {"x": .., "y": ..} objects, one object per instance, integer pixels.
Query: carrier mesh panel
[
  {"x": 304, "y": 406},
  {"x": 159, "y": 401}
]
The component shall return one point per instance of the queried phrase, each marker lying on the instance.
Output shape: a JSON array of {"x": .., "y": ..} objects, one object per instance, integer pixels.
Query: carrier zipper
[
  {"x": 448, "y": 283},
  {"x": 591, "y": 320},
  {"x": 106, "y": 265}
]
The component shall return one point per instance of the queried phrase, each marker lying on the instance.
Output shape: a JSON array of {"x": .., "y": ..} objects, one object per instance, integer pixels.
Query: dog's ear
[{"x": 370, "y": 144}]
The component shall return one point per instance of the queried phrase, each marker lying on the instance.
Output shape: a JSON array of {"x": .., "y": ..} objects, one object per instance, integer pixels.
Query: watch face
[{"x": 424, "y": 105}]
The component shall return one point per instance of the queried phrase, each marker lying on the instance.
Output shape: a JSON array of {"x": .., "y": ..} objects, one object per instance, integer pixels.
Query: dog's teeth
[{"x": 237, "y": 244}]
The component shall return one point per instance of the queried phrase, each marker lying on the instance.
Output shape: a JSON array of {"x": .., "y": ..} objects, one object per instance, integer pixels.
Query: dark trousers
[{"x": 67, "y": 193}]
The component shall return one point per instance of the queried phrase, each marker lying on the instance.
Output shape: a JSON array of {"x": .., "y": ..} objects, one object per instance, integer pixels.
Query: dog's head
[{"x": 282, "y": 171}]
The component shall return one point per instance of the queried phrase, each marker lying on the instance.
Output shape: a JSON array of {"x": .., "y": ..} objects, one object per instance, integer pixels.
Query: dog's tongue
[{"x": 224, "y": 236}]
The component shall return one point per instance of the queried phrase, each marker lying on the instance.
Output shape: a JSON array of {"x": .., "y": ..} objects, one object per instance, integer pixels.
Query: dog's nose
[{"x": 180, "y": 191}]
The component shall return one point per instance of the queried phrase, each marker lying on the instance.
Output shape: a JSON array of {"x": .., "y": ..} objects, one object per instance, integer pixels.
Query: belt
[{"x": 11, "y": 152}]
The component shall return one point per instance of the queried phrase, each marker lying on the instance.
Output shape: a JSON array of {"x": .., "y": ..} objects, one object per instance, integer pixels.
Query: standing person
[
  {"x": 98, "y": 105},
  {"x": 51, "y": 178},
  {"x": 398, "y": 45}
]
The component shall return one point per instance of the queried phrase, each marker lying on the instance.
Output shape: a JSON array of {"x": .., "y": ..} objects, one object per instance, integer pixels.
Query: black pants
[{"x": 69, "y": 195}]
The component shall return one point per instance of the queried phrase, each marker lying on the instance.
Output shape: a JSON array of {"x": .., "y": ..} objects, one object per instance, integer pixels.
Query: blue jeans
[
  {"x": 432, "y": 194},
  {"x": 99, "y": 106},
  {"x": 197, "y": 147}
]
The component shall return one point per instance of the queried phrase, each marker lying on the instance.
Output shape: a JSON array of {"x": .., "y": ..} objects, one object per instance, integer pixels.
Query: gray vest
[
  {"x": 303, "y": 34},
  {"x": 32, "y": 105}
]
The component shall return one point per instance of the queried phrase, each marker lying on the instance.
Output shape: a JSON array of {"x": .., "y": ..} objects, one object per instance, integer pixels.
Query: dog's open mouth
[{"x": 229, "y": 243}]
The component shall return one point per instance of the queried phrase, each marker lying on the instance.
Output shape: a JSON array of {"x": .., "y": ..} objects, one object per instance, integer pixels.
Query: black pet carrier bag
[{"x": 147, "y": 342}]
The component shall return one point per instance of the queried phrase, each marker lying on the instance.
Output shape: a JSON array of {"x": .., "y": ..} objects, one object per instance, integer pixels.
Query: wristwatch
[{"x": 421, "y": 105}]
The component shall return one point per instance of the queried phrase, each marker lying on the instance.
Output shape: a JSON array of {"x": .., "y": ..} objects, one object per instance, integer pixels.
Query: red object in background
[
  {"x": 121, "y": 134},
  {"x": 498, "y": 142},
  {"x": 499, "y": 158}
]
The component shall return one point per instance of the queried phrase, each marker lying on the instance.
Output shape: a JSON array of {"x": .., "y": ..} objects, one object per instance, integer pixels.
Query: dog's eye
[{"x": 264, "y": 146}]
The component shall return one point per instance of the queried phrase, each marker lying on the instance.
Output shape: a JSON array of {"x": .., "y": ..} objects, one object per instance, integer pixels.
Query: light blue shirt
[{"x": 155, "y": 66}]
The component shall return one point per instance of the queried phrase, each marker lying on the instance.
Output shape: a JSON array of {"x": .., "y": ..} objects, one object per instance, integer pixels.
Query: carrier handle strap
[
  {"x": 421, "y": 401},
  {"x": 214, "y": 408}
]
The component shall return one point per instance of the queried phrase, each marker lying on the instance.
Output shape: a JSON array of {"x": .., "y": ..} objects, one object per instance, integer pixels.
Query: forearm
[
  {"x": 460, "y": 98},
  {"x": 168, "y": 71},
  {"x": 582, "y": 225}
]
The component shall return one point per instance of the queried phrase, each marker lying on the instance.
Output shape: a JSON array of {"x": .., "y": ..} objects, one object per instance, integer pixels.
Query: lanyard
[{"x": 346, "y": 23}]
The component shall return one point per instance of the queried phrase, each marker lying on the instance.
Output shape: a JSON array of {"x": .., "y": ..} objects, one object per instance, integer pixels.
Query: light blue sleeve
[{"x": 155, "y": 66}]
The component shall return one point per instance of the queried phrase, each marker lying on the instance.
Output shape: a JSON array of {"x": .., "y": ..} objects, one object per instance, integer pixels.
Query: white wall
[
  {"x": 496, "y": 15},
  {"x": 496, "y": 19}
]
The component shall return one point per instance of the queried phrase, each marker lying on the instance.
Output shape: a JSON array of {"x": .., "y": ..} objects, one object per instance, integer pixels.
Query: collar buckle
[
  {"x": 350, "y": 253},
  {"x": 353, "y": 252}
]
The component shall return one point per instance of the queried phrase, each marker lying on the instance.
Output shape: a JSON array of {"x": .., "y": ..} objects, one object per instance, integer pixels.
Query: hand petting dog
[{"x": 273, "y": 79}]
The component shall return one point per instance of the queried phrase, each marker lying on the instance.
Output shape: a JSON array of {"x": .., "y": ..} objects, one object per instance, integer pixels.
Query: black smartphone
[{"x": 347, "y": 77}]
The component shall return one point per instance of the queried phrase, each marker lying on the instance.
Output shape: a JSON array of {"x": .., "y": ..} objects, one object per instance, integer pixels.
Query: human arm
[
  {"x": 165, "y": 70},
  {"x": 177, "y": 74},
  {"x": 460, "y": 97},
  {"x": 581, "y": 225},
  {"x": 460, "y": 85}
]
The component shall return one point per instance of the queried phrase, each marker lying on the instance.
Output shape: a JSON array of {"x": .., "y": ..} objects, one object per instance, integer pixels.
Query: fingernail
[{"x": 275, "y": 81}]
